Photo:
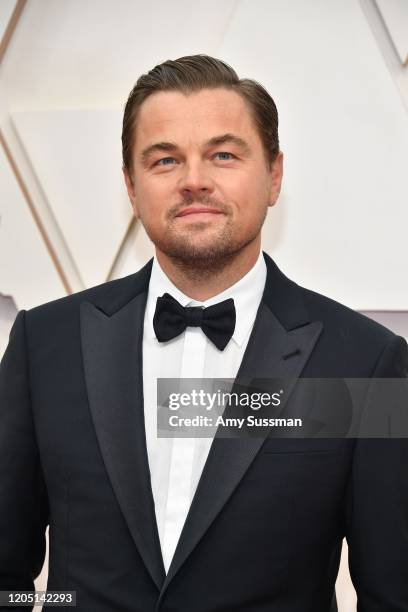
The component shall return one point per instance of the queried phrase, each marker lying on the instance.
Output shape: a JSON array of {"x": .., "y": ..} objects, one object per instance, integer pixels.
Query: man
[{"x": 143, "y": 523}]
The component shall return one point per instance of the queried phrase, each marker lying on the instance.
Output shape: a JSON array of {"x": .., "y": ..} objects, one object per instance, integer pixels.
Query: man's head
[{"x": 201, "y": 159}]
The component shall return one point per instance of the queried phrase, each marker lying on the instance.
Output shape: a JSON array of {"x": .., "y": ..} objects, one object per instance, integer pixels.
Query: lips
[{"x": 198, "y": 210}]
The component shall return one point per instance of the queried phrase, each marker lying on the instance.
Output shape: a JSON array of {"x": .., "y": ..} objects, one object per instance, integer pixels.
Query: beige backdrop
[{"x": 337, "y": 71}]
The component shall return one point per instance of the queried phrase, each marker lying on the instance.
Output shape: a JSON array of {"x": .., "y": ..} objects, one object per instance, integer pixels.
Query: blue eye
[
  {"x": 225, "y": 156},
  {"x": 164, "y": 160}
]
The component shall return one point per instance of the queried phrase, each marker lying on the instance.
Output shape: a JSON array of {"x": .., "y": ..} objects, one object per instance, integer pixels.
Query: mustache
[{"x": 204, "y": 200}]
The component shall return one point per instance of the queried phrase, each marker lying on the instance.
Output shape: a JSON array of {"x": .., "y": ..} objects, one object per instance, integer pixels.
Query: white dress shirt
[{"x": 176, "y": 463}]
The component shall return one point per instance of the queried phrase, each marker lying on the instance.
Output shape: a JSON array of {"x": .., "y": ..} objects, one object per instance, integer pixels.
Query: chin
[{"x": 202, "y": 255}]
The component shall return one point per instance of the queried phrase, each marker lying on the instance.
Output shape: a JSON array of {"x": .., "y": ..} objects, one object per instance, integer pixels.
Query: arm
[
  {"x": 23, "y": 497},
  {"x": 377, "y": 508}
]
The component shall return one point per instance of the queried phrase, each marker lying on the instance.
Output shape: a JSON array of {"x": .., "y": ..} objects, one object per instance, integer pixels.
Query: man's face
[{"x": 200, "y": 184}]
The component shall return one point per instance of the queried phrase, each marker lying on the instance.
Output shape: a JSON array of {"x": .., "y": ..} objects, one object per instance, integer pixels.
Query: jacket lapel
[
  {"x": 111, "y": 334},
  {"x": 280, "y": 345}
]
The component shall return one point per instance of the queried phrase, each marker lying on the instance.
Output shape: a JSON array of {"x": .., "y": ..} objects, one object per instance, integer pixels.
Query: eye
[
  {"x": 225, "y": 156},
  {"x": 165, "y": 161}
]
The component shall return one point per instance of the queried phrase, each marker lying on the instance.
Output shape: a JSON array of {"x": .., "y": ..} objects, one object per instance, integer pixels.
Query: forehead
[{"x": 172, "y": 115}]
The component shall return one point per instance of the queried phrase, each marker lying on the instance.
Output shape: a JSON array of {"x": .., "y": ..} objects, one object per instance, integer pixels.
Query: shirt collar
[{"x": 246, "y": 293}]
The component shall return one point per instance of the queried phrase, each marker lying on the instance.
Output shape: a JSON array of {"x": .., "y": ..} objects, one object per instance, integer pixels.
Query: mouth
[{"x": 201, "y": 211}]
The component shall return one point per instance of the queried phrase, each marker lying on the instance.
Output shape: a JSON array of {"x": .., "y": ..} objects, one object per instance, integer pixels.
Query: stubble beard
[{"x": 199, "y": 259}]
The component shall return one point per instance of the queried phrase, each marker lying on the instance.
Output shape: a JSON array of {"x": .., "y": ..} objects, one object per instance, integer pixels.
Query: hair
[{"x": 193, "y": 73}]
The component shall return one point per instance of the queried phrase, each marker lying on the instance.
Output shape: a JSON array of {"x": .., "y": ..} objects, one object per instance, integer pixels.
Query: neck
[{"x": 199, "y": 284}]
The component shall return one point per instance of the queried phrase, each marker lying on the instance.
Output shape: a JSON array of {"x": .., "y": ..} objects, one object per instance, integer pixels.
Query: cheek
[
  {"x": 250, "y": 212},
  {"x": 150, "y": 200},
  {"x": 249, "y": 199},
  {"x": 243, "y": 187}
]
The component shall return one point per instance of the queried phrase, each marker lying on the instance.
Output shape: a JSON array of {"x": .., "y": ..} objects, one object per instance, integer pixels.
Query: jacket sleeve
[
  {"x": 377, "y": 507},
  {"x": 23, "y": 497}
]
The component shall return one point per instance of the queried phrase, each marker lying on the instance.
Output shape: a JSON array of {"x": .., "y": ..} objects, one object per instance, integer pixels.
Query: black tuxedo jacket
[{"x": 265, "y": 527}]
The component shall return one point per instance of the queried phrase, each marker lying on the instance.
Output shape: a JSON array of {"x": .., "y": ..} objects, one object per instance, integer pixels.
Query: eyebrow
[
  {"x": 157, "y": 146},
  {"x": 229, "y": 139},
  {"x": 213, "y": 142}
]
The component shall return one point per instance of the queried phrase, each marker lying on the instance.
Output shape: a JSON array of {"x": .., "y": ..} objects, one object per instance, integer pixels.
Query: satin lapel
[
  {"x": 112, "y": 351},
  {"x": 272, "y": 352}
]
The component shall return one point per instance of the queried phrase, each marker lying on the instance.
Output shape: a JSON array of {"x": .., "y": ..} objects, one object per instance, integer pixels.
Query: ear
[
  {"x": 276, "y": 174},
  {"x": 131, "y": 190}
]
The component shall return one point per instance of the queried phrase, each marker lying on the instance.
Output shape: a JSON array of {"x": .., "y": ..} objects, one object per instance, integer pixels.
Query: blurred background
[{"x": 338, "y": 72}]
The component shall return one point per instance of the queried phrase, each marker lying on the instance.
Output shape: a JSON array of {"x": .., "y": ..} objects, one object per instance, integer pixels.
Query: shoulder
[
  {"x": 295, "y": 305},
  {"x": 356, "y": 339},
  {"x": 344, "y": 318},
  {"x": 108, "y": 297},
  {"x": 350, "y": 343}
]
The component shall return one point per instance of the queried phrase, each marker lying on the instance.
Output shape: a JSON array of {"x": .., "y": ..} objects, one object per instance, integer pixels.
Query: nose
[{"x": 195, "y": 179}]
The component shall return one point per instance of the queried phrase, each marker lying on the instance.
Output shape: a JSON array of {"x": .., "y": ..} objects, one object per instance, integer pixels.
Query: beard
[{"x": 198, "y": 249}]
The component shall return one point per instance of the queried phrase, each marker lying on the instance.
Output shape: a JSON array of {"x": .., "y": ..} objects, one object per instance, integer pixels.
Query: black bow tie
[{"x": 217, "y": 321}]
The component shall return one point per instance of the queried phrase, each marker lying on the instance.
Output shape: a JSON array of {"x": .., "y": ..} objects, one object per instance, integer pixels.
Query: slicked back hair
[{"x": 193, "y": 73}]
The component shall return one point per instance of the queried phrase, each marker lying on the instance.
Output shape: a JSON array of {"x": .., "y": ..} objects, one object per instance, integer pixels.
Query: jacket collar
[{"x": 281, "y": 295}]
